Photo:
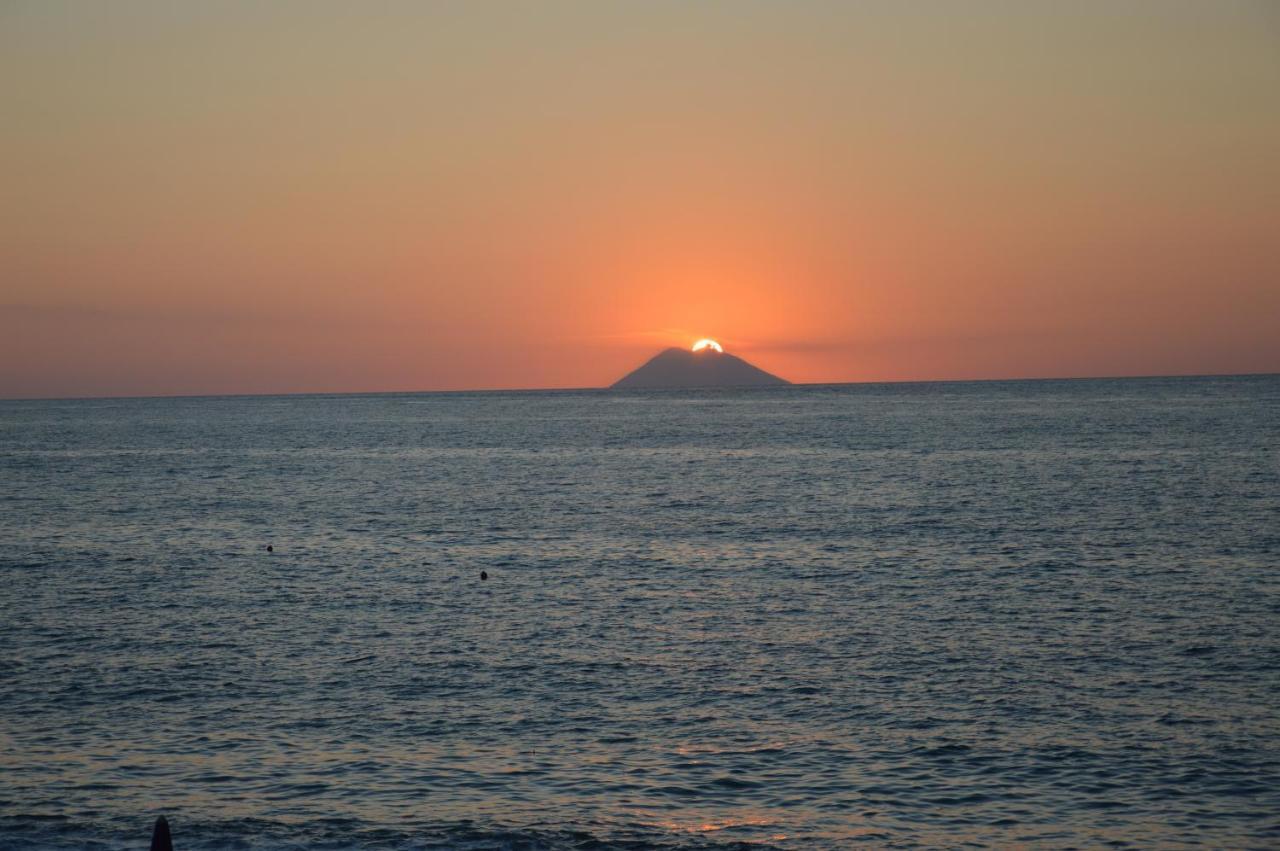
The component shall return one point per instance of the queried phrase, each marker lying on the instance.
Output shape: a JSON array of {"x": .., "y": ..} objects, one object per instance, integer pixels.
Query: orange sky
[{"x": 312, "y": 196}]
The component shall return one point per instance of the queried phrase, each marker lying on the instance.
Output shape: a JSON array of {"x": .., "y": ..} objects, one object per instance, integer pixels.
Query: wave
[{"x": 56, "y": 833}]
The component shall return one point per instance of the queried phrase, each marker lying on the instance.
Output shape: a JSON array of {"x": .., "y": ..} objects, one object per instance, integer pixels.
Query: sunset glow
[
  {"x": 368, "y": 476},
  {"x": 210, "y": 198}
]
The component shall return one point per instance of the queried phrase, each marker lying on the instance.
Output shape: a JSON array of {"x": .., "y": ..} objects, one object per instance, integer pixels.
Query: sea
[{"x": 1023, "y": 613}]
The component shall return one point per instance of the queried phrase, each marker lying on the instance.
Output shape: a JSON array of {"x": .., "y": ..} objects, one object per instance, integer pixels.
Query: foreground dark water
[{"x": 997, "y": 613}]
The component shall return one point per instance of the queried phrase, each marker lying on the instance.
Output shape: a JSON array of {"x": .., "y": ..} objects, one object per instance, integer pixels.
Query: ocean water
[{"x": 1016, "y": 613}]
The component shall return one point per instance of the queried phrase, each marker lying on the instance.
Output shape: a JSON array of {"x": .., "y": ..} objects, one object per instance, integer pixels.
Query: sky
[{"x": 248, "y": 197}]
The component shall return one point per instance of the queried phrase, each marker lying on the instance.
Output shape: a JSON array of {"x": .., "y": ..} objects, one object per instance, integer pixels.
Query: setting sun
[{"x": 364, "y": 477}]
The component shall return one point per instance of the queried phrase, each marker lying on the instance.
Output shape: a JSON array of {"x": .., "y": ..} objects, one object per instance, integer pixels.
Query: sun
[{"x": 707, "y": 344}]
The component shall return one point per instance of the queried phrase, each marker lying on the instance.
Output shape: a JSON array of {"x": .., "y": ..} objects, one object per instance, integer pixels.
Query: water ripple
[{"x": 937, "y": 615}]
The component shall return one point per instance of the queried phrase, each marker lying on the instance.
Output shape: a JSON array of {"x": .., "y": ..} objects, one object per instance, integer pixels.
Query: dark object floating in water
[
  {"x": 674, "y": 368},
  {"x": 483, "y": 576},
  {"x": 160, "y": 839},
  {"x": 270, "y": 548}
]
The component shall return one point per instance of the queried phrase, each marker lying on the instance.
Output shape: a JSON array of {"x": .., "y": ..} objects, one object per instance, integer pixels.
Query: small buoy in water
[
  {"x": 270, "y": 548},
  {"x": 160, "y": 839},
  {"x": 483, "y": 576}
]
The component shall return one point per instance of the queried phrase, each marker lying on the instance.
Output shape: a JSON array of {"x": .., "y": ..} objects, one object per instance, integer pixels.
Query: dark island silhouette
[{"x": 707, "y": 367}]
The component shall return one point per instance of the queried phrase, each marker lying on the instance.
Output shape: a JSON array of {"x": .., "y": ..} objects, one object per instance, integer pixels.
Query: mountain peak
[{"x": 706, "y": 367}]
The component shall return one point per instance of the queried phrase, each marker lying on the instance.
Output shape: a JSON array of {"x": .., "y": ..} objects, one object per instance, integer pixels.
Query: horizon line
[{"x": 609, "y": 389}]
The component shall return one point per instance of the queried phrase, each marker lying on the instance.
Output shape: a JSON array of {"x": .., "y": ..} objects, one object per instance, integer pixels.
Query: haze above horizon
[{"x": 318, "y": 197}]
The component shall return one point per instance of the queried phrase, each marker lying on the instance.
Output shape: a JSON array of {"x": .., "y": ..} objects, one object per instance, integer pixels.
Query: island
[{"x": 707, "y": 365}]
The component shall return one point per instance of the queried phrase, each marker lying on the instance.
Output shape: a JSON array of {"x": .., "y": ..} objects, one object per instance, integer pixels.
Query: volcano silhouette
[{"x": 704, "y": 368}]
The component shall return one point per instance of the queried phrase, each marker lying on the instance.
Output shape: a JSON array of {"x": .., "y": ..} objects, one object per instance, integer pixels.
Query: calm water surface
[{"x": 1039, "y": 613}]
